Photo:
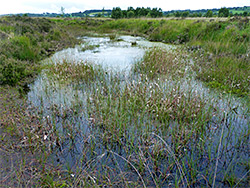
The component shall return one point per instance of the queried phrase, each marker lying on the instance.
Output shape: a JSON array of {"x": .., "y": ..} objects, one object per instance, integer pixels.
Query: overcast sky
[{"x": 53, "y": 6}]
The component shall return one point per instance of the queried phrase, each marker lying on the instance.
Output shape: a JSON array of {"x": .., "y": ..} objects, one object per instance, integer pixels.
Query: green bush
[
  {"x": 24, "y": 50},
  {"x": 20, "y": 48},
  {"x": 12, "y": 71},
  {"x": 54, "y": 35}
]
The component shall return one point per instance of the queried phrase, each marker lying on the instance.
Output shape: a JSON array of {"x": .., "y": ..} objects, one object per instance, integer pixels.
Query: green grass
[
  {"x": 226, "y": 42},
  {"x": 29, "y": 41},
  {"x": 150, "y": 127},
  {"x": 157, "y": 127}
]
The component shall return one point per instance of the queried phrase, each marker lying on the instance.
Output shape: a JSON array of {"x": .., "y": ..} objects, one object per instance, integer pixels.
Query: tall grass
[
  {"x": 218, "y": 42},
  {"x": 140, "y": 129},
  {"x": 28, "y": 41}
]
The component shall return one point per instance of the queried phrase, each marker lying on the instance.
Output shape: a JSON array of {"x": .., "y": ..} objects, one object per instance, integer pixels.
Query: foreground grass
[{"x": 138, "y": 129}]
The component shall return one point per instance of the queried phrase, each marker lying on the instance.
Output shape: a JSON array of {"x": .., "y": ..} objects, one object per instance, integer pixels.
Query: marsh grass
[
  {"x": 155, "y": 126},
  {"x": 127, "y": 112},
  {"x": 89, "y": 47},
  {"x": 120, "y": 129},
  {"x": 167, "y": 62},
  {"x": 237, "y": 80},
  {"x": 73, "y": 72},
  {"x": 223, "y": 46}
]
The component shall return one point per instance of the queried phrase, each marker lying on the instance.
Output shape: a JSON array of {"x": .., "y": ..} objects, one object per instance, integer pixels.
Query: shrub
[
  {"x": 12, "y": 71},
  {"x": 20, "y": 48}
]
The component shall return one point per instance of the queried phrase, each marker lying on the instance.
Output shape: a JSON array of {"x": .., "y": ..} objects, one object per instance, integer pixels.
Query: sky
[{"x": 54, "y": 6}]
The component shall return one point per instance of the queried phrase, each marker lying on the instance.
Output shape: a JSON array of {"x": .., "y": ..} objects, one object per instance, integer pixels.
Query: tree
[
  {"x": 199, "y": 14},
  {"x": 245, "y": 13},
  {"x": 209, "y": 14},
  {"x": 148, "y": 15},
  {"x": 124, "y": 14},
  {"x": 131, "y": 14},
  {"x": 131, "y": 9},
  {"x": 154, "y": 13},
  {"x": 62, "y": 11},
  {"x": 103, "y": 12},
  {"x": 98, "y": 15},
  {"x": 224, "y": 12},
  {"x": 160, "y": 13},
  {"x": 177, "y": 14},
  {"x": 185, "y": 14},
  {"x": 116, "y": 13}
]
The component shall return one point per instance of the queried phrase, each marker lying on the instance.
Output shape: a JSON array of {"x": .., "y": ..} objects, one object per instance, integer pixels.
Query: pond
[
  {"x": 99, "y": 134},
  {"x": 116, "y": 55},
  {"x": 119, "y": 53}
]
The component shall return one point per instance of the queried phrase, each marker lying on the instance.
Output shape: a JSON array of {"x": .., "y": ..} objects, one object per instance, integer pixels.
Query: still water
[{"x": 120, "y": 54}]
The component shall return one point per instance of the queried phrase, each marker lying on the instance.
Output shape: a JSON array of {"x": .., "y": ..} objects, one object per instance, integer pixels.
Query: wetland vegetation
[{"x": 176, "y": 117}]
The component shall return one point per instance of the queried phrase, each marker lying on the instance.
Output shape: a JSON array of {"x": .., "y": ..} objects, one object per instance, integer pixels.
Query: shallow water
[
  {"x": 117, "y": 54},
  {"x": 120, "y": 55}
]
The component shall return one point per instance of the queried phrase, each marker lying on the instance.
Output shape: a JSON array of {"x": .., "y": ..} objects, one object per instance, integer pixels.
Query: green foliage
[
  {"x": 228, "y": 74},
  {"x": 54, "y": 35},
  {"x": 29, "y": 40},
  {"x": 209, "y": 13},
  {"x": 12, "y": 71},
  {"x": 116, "y": 13},
  {"x": 23, "y": 49},
  {"x": 226, "y": 42},
  {"x": 224, "y": 12},
  {"x": 131, "y": 14},
  {"x": 185, "y": 14},
  {"x": 165, "y": 63},
  {"x": 136, "y": 13},
  {"x": 73, "y": 72}
]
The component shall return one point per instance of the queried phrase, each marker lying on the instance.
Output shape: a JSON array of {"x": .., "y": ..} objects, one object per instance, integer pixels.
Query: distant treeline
[
  {"x": 138, "y": 12},
  {"x": 135, "y": 13},
  {"x": 155, "y": 12},
  {"x": 223, "y": 12}
]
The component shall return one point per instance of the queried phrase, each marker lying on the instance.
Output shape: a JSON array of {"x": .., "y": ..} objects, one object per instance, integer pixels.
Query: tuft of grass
[
  {"x": 89, "y": 47},
  {"x": 72, "y": 72},
  {"x": 160, "y": 62}
]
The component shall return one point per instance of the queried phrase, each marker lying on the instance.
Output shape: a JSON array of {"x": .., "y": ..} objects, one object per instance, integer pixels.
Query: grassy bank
[
  {"x": 24, "y": 43},
  {"x": 222, "y": 47}
]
